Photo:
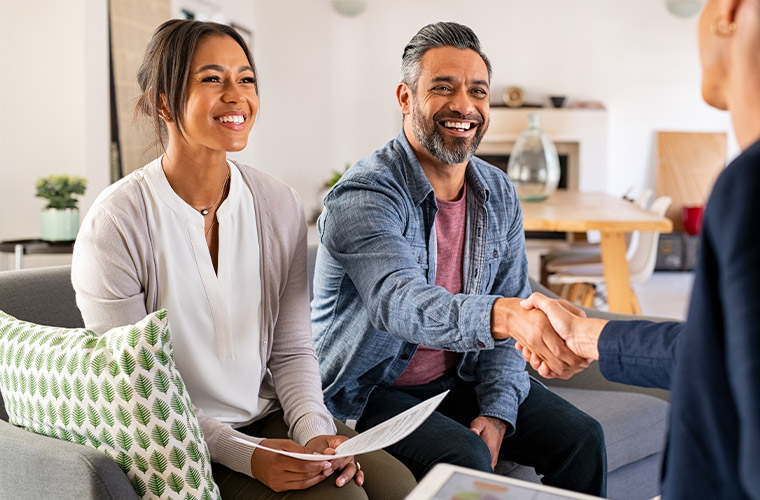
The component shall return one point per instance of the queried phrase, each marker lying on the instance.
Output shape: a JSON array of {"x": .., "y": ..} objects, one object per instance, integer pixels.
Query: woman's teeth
[{"x": 231, "y": 119}]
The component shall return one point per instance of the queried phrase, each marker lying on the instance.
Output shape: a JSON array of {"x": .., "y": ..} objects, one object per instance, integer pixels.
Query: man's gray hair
[{"x": 443, "y": 34}]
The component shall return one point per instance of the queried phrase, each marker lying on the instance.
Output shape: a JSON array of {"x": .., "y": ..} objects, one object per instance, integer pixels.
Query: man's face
[{"x": 450, "y": 111}]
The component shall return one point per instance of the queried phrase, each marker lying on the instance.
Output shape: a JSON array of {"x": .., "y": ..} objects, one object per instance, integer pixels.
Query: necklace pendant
[{"x": 204, "y": 211}]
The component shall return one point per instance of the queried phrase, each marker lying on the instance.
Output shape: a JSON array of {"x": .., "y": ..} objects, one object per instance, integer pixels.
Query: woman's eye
[
  {"x": 248, "y": 79},
  {"x": 211, "y": 79}
]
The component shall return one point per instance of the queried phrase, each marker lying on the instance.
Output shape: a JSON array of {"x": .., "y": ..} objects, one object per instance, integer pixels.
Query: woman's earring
[{"x": 722, "y": 28}]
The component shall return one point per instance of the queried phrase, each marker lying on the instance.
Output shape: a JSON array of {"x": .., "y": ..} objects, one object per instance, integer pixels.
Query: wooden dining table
[{"x": 575, "y": 211}]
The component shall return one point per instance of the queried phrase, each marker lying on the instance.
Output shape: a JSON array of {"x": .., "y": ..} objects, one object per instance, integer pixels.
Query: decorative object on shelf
[
  {"x": 60, "y": 219},
  {"x": 349, "y": 8},
  {"x": 533, "y": 164},
  {"x": 557, "y": 100},
  {"x": 514, "y": 97},
  {"x": 684, "y": 8}
]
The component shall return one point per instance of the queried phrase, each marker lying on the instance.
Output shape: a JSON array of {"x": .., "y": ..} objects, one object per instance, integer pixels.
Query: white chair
[
  {"x": 575, "y": 255},
  {"x": 579, "y": 280}
]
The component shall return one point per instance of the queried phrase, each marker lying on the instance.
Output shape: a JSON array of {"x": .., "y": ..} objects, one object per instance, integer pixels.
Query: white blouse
[{"x": 214, "y": 316}]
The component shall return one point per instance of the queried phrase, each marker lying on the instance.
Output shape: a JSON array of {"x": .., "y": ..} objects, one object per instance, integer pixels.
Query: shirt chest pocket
[{"x": 496, "y": 253}]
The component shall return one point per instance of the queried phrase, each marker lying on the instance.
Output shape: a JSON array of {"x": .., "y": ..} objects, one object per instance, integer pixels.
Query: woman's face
[
  {"x": 221, "y": 96},
  {"x": 713, "y": 56}
]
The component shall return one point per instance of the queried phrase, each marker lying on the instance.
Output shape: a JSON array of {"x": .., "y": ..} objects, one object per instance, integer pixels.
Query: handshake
[{"x": 554, "y": 336}]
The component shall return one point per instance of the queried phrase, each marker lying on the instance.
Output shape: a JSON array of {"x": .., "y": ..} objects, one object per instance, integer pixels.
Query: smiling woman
[{"x": 222, "y": 247}]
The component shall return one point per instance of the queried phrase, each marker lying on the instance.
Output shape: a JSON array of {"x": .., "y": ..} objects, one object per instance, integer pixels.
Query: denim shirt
[{"x": 375, "y": 298}]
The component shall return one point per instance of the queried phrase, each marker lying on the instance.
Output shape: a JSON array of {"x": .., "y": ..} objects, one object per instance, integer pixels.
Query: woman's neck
[{"x": 196, "y": 179}]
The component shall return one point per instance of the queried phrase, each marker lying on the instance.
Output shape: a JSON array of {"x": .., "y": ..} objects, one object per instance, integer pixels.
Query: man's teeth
[
  {"x": 461, "y": 126},
  {"x": 231, "y": 119}
]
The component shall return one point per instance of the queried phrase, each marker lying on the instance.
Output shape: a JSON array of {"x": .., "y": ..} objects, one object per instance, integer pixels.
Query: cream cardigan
[{"x": 116, "y": 282}]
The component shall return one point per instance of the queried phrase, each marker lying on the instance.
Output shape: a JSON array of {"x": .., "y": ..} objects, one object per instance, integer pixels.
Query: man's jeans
[{"x": 564, "y": 445}]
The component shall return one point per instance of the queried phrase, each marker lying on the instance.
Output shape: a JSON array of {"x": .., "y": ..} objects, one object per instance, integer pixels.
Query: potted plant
[{"x": 60, "y": 219}]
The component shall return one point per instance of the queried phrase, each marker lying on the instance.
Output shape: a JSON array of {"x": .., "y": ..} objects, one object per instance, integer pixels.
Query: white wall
[
  {"x": 328, "y": 82},
  {"x": 54, "y": 106}
]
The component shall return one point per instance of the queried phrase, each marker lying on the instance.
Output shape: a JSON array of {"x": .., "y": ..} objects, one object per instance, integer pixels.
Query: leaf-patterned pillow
[{"x": 119, "y": 392}]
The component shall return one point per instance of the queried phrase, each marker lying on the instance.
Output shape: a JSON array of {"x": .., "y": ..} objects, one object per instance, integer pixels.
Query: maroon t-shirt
[{"x": 429, "y": 364}]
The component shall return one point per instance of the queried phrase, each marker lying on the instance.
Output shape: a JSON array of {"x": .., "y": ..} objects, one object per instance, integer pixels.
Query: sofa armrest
[
  {"x": 33, "y": 466},
  {"x": 592, "y": 378}
]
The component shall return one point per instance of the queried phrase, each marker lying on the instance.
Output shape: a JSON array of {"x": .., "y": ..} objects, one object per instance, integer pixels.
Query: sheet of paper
[{"x": 389, "y": 432}]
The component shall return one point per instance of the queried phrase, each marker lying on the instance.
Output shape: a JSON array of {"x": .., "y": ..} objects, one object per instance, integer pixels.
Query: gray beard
[{"x": 463, "y": 149}]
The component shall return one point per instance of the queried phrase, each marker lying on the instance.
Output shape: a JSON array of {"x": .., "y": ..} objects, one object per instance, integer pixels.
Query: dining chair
[{"x": 580, "y": 280}]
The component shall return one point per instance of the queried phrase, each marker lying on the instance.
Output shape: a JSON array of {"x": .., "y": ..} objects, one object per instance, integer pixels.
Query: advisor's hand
[
  {"x": 581, "y": 334},
  {"x": 491, "y": 430},
  {"x": 531, "y": 328},
  {"x": 350, "y": 468},
  {"x": 283, "y": 473}
]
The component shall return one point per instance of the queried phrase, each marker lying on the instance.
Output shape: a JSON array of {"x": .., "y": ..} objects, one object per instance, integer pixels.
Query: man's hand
[
  {"x": 581, "y": 334},
  {"x": 491, "y": 430},
  {"x": 282, "y": 473},
  {"x": 531, "y": 328},
  {"x": 326, "y": 445}
]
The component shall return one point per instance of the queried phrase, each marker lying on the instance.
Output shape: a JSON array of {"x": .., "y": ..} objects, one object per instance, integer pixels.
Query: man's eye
[{"x": 442, "y": 88}]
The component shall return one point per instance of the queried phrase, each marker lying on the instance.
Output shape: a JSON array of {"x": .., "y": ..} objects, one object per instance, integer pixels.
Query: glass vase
[{"x": 533, "y": 164}]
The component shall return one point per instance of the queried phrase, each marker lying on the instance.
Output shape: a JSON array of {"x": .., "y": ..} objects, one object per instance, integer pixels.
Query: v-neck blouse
[{"x": 214, "y": 315}]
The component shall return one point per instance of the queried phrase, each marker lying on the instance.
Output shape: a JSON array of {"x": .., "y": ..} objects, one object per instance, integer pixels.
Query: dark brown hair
[{"x": 165, "y": 69}]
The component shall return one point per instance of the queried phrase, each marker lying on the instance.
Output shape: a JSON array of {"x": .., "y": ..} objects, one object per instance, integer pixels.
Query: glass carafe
[{"x": 533, "y": 164}]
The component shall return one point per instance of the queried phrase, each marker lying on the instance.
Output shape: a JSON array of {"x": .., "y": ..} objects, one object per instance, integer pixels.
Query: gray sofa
[{"x": 34, "y": 466}]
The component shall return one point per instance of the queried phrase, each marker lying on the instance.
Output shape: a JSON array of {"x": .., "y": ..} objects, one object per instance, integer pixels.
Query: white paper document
[{"x": 389, "y": 432}]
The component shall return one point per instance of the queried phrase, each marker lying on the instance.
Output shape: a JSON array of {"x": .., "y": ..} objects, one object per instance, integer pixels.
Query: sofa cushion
[
  {"x": 120, "y": 393},
  {"x": 635, "y": 425}
]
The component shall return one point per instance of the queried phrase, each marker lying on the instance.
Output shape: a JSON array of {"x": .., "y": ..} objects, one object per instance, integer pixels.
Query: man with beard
[{"x": 419, "y": 274}]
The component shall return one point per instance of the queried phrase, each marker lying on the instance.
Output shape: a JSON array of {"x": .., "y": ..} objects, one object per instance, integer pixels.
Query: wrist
[
  {"x": 500, "y": 313},
  {"x": 588, "y": 340}
]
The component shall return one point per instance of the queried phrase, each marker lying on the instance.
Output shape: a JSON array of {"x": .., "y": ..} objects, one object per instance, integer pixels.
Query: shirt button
[
  {"x": 266, "y": 342},
  {"x": 405, "y": 356},
  {"x": 419, "y": 260},
  {"x": 495, "y": 254},
  {"x": 481, "y": 344},
  {"x": 361, "y": 400}
]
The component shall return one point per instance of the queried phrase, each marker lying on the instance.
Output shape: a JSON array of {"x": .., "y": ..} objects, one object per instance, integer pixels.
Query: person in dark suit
[{"x": 711, "y": 362}]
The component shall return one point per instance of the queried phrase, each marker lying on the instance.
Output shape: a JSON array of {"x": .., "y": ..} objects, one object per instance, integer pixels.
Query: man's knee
[{"x": 469, "y": 451}]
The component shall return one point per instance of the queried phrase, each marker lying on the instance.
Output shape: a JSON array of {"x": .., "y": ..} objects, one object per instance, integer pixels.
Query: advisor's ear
[{"x": 728, "y": 8}]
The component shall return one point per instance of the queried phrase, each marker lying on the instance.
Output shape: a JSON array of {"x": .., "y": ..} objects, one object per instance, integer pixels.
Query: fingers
[
  {"x": 352, "y": 470},
  {"x": 572, "y": 308}
]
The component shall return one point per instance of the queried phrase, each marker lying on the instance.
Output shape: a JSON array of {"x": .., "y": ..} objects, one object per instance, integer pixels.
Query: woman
[
  {"x": 222, "y": 247},
  {"x": 711, "y": 363}
]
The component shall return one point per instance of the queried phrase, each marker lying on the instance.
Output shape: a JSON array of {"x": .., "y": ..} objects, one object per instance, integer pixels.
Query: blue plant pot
[{"x": 60, "y": 224}]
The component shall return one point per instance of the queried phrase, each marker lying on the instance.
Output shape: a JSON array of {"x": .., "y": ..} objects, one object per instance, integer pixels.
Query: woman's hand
[
  {"x": 350, "y": 468},
  {"x": 283, "y": 473}
]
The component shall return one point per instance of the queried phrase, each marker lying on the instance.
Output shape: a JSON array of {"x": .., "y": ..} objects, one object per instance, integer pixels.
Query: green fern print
[{"x": 120, "y": 393}]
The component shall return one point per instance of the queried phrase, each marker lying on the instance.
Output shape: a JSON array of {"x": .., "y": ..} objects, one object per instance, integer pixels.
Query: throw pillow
[{"x": 119, "y": 392}]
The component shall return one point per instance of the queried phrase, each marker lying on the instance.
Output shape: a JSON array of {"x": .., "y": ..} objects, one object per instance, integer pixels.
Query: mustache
[{"x": 442, "y": 116}]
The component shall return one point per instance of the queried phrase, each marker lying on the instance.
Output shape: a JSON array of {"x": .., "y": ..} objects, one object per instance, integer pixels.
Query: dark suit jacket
[{"x": 711, "y": 363}]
